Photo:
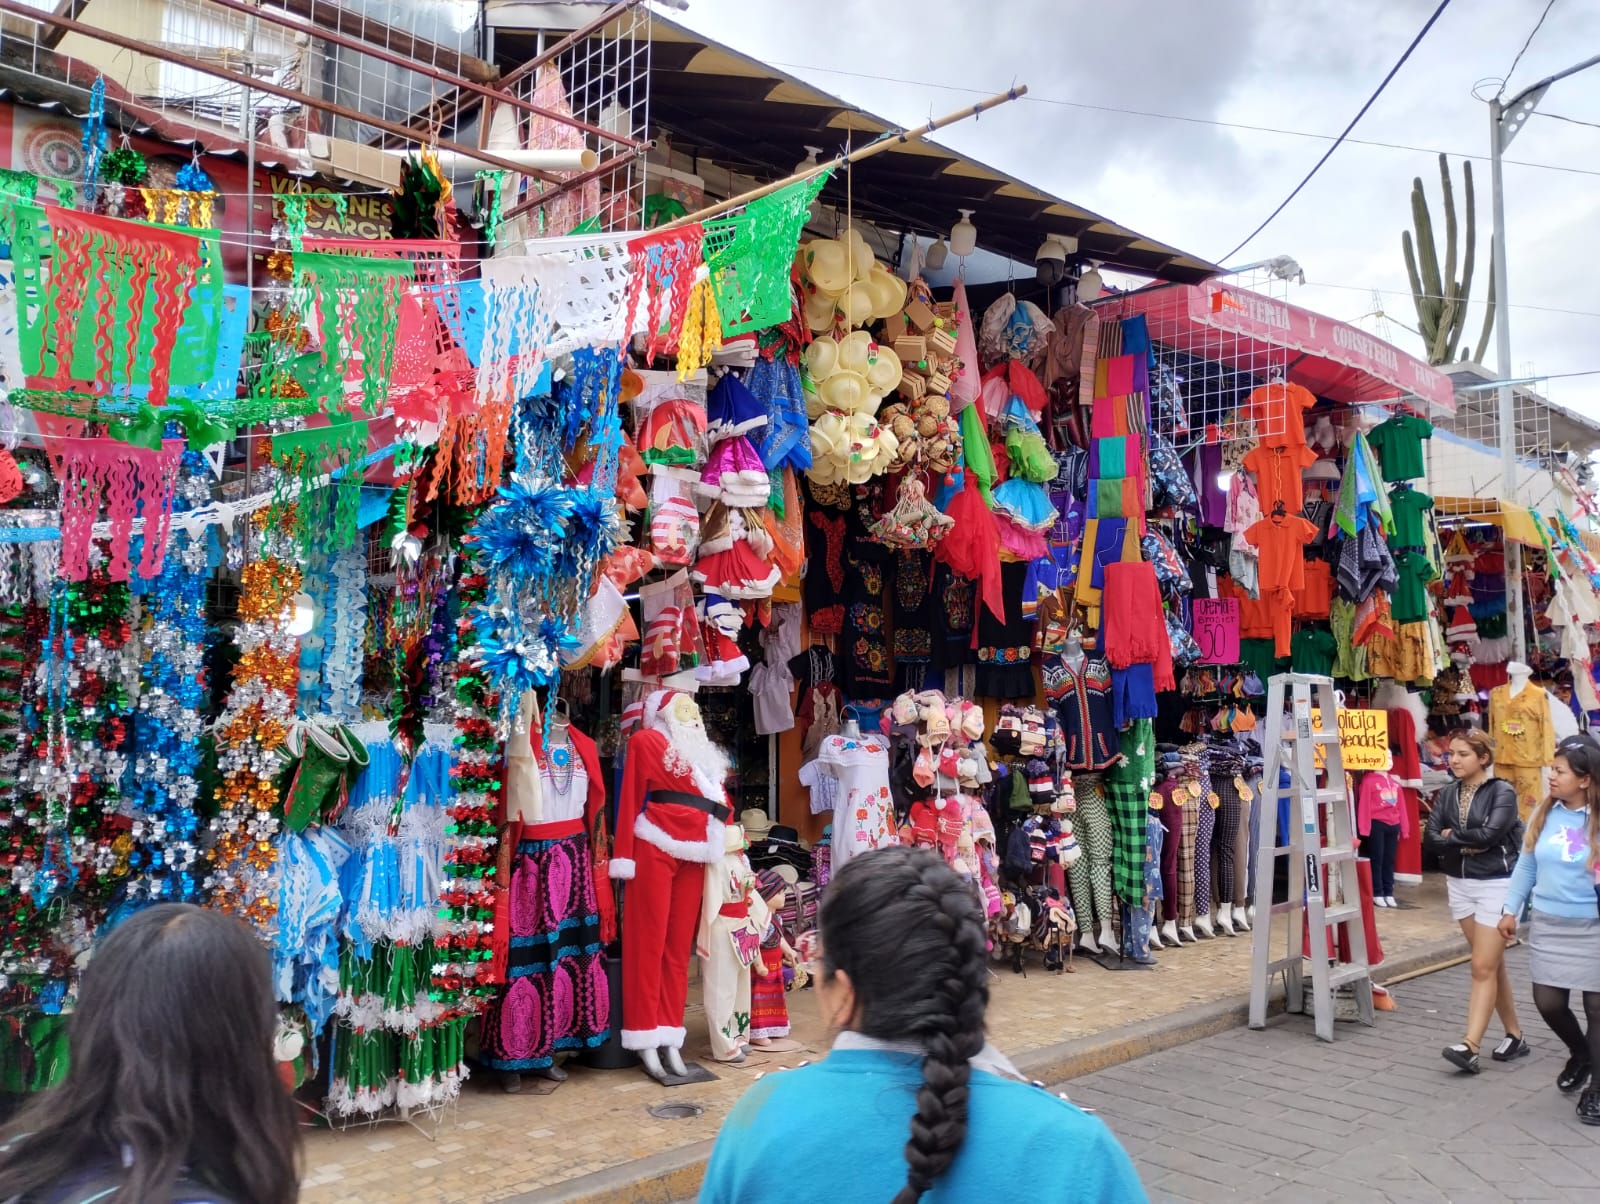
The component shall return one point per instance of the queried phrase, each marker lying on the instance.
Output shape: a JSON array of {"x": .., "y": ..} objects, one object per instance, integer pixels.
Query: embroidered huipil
[{"x": 1520, "y": 726}]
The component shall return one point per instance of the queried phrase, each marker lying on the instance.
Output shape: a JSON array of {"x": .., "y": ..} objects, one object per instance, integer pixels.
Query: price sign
[{"x": 1216, "y": 630}]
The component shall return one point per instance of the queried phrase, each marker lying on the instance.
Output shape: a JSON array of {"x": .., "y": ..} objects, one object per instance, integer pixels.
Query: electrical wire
[
  {"x": 1362, "y": 112},
  {"x": 1537, "y": 25},
  {"x": 1247, "y": 127},
  {"x": 1593, "y": 125}
]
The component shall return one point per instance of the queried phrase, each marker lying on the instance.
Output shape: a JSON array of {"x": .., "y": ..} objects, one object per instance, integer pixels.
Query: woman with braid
[{"x": 912, "y": 1103}]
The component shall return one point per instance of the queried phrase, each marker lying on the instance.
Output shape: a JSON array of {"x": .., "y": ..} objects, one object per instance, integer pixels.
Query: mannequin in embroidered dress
[
  {"x": 556, "y": 999},
  {"x": 732, "y": 919},
  {"x": 1523, "y": 735},
  {"x": 670, "y": 819}
]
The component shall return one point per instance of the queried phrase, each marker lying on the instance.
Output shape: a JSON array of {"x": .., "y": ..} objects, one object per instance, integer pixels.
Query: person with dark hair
[
  {"x": 911, "y": 1100},
  {"x": 1475, "y": 831},
  {"x": 172, "y": 1095},
  {"x": 1557, "y": 878}
]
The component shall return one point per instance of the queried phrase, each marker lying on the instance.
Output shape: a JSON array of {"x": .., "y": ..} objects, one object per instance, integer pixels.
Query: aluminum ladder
[{"x": 1323, "y": 886}]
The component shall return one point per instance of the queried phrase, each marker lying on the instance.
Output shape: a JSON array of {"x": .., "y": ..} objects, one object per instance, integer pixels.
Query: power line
[
  {"x": 1395, "y": 292},
  {"x": 1362, "y": 112},
  {"x": 1537, "y": 25},
  {"x": 1086, "y": 106},
  {"x": 1594, "y": 125}
]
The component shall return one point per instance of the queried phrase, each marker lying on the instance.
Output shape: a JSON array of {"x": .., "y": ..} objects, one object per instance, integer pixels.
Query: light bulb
[
  {"x": 938, "y": 252},
  {"x": 300, "y": 616},
  {"x": 1090, "y": 285},
  {"x": 1224, "y": 479},
  {"x": 964, "y": 235},
  {"x": 810, "y": 161}
]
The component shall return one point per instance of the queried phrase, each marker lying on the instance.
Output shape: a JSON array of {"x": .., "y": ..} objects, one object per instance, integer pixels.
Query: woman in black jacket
[{"x": 1476, "y": 832}]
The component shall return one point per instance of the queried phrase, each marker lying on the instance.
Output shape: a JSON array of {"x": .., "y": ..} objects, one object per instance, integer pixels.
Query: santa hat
[
  {"x": 732, "y": 409},
  {"x": 1462, "y": 628},
  {"x": 673, "y": 434},
  {"x": 656, "y": 702}
]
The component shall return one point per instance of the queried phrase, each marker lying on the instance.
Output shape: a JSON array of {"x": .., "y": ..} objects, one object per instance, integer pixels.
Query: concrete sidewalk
[
  {"x": 595, "y": 1139},
  {"x": 1376, "y": 1115}
]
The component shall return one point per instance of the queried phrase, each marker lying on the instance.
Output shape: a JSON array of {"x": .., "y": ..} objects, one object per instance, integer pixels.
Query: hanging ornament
[
  {"x": 664, "y": 266},
  {"x": 94, "y": 139}
]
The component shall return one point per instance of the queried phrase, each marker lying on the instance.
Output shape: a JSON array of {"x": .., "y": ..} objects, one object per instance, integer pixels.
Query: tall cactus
[{"x": 1441, "y": 299}]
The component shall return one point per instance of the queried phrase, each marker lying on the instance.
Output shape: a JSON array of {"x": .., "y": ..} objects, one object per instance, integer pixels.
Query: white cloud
[{"x": 1279, "y": 63}]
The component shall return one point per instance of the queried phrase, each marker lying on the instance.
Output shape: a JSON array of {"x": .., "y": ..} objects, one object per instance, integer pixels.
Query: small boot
[
  {"x": 674, "y": 1061},
  {"x": 1169, "y": 934},
  {"x": 1086, "y": 941},
  {"x": 651, "y": 1061},
  {"x": 1202, "y": 925},
  {"x": 1225, "y": 920}
]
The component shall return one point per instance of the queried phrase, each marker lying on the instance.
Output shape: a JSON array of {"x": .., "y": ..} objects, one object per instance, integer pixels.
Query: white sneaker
[
  {"x": 1388, "y": 901},
  {"x": 1379, "y": 901}
]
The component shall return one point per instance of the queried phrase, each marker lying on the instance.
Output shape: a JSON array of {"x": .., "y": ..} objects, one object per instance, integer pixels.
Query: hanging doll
[
  {"x": 769, "y": 1010},
  {"x": 732, "y": 920}
]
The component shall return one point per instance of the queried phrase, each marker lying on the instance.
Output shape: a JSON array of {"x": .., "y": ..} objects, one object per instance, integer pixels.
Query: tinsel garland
[
  {"x": 341, "y": 669},
  {"x": 315, "y": 584},
  {"x": 252, "y": 728},
  {"x": 465, "y": 933},
  {"x": 167, "y": 726}
]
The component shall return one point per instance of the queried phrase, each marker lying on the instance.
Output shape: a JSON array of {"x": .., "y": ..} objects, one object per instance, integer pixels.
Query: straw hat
[
  {"x": 820, "y": 310},
  {"x": 756, "y": 823},
  {"x": 846, "y": 391},
  {"x": 884, "y": 371},
  {"x": 822, "y": 359},
  {"x": 856, "y": 302},
  {"x": 888, "y": 293},
  {"x": 855, "y": 351},
  {"x": 827, "y": 264}
]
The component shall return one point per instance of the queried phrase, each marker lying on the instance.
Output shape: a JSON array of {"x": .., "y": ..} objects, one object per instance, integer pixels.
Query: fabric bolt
[
  {"x": 1409, "y": 507},
  {"x": 1398, "y": 443},
  {"x": 1127, "y": 798},
  {"x": 1091, "y": 873},
  {"x": 1171, "y": 816},
  {"x": 1204, "y": 840},
  {"x": 1108, "y": 457}
]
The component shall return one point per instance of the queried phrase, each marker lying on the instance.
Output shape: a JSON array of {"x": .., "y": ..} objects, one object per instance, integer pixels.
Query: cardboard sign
[
  {"x": 1363, "y": 739},
  {"x": 1216, "y": 630}
]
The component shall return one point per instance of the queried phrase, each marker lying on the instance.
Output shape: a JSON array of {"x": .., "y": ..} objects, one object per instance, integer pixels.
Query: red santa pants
[{"x": 663, "y": 911}]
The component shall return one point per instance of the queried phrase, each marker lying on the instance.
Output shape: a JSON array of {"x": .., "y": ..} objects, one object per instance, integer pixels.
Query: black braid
[{"x": 910, "y": 934}]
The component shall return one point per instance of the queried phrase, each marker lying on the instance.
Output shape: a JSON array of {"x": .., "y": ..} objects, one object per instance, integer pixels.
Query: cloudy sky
[{"x": 1196, "y": 178}]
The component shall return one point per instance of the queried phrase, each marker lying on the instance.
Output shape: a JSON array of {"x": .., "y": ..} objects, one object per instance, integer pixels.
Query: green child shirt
[
  {"x": 1410, "y": 527},
  {"x": 1398, "y": 443}
]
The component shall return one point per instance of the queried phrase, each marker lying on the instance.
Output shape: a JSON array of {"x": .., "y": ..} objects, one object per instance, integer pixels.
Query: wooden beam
[{"x": 66, "y": 8}]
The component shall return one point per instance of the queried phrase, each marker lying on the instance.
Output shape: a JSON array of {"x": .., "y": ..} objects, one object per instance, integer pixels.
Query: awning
[
  {"x": 1236, "y": 327},
  {"x": 1518, "y": 522}
]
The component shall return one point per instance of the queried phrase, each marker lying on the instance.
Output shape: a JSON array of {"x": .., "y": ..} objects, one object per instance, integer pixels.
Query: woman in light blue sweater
[
  {"x": 1557, "y": 876},
  {"x": 912, "y": 1104}
]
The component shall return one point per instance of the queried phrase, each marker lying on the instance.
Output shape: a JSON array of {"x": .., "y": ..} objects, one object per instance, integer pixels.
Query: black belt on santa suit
[{"x": 683, "y": 798}]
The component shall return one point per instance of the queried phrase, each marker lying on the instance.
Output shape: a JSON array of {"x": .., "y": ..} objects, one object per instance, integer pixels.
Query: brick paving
[
  {"x": 1377, "y": 1115},
  {"x": 492, "y": 1146}
]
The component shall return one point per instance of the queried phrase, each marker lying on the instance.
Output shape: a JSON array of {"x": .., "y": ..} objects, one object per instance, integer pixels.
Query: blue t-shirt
[
  {"x": 836, "y": 1131},
  {"x": 1556, "y": 878}
]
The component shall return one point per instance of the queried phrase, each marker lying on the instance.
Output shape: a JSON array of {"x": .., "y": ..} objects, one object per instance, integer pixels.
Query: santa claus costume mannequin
[{"x": 670, "y": 819}]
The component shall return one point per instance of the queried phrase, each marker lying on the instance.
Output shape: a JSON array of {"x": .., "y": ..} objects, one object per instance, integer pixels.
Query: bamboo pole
[{"x": 876, "y": 147}]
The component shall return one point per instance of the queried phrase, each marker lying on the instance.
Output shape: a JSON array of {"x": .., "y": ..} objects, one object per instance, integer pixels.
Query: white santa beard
[{"x": 706, "y": 763}]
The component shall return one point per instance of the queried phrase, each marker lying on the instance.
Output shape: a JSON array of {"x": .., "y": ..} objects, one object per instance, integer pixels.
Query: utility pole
[{"x": 1506, "y": 119}]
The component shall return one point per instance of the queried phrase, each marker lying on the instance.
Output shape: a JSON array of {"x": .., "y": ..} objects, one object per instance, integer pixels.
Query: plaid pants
[
  {"x": 1091, "y": 873},
  {"x": 1127, "y": 798},
  {"x": 1202, "y": 850},
  {"x": 1227, "y": 841},
  {"x": 1191, "y": 828}
]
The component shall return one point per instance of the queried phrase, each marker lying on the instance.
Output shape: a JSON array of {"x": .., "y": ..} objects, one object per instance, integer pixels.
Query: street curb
[{"x": 676, "y": 1174}]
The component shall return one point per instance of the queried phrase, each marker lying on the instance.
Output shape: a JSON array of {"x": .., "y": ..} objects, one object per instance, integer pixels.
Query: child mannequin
[
  {"x": 769, "y": 1010},
  {"x": 1382, "y": 820},
  {"x": 732, "y": 919}
]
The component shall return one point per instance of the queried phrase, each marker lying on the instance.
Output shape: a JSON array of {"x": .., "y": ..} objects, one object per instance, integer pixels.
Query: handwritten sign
[
  {"x": 1363, "y": 739},
  {"x": 1216, "y": 630}
]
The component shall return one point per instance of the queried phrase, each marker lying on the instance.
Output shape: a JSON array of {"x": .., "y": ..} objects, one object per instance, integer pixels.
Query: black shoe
[
  {"x": 1575, "y": 1074},
  {"x": 1589, "y": 1107},
  {"x": 1510, "y": 1049},
  {"x": 1461, "y": 1057}
]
